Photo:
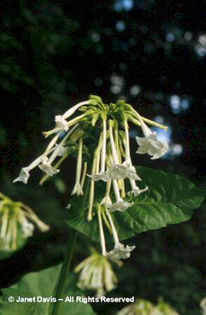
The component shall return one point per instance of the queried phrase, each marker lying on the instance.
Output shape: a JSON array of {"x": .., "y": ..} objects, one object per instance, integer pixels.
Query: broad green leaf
[
  {"x": 170, "y": 199},
  {"x": 42, "y": 284}
]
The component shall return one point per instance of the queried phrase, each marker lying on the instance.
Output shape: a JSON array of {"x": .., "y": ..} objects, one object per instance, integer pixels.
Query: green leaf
[
  {"x": 170, "y": 199},
  {"x": 42, "y": 284}
]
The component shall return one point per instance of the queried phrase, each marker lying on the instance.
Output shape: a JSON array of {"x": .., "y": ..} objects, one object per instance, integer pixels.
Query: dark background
[{"x": 151, "y": 53}]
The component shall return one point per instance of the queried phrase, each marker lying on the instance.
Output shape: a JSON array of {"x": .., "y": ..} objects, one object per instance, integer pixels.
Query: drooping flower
[
  {"x": 16, "y": 222},
  {"x": 61, "y": 122},
  {"x": 46, "y": 167},
  {"x": 96, "y": 274},
  {"x": 77, "y": 186},
  {"x": 120, "y": 251},
  {"x": 23, "y": 176},
  {"x": 120, "y": 204},
  {"x": 150, "y": 144},
  {"x": 136, "y": 191}
]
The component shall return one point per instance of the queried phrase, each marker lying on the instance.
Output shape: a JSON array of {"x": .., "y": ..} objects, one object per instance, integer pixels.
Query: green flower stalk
[
  {"x": 96, "y": 274},
  {"x": 99, "y": 139},
  {"x": 16, "y": 222}
]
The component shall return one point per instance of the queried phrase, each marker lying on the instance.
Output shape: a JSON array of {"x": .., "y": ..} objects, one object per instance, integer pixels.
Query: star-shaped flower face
[
  {"x": 120, "y": 251},
  {"x": 106, "y": 201},
  {"x": 23, "y": 176},
  {"x": 117, "y": 171},
  {"x": 152, "y": 146},
  {"x": 47, "y": 168},
  {"x": 101, "y": 176},
  {"x": 121, "y": 205},
  {"x": 77, "y": 190},
  {"x": 122, "y": 171},
  {"x": 136, "y": 191},
  {"x": 61, "y": 122}
]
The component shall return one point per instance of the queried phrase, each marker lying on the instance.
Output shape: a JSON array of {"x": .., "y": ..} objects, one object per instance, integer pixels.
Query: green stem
[
  {"x": 64, "y": 271},
  {"x": 67, "y": 261}
]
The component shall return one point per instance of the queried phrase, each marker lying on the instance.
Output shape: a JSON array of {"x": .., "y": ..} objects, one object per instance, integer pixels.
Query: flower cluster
[
  {"x": 100, "y": 136},
  {"x": 144, "y": 307},
  {"x": 16, "y": 222},
  {"x": 96, "y": 274}
]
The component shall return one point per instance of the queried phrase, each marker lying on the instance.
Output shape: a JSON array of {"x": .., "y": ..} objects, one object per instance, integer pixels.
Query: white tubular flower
[
  {"x": 24, "y": 173},
  {"x": 131, "y": 171},
  {"x": 73, "y": 109},
  {"x": 106, "y": 201},
  {"x": 77, "y": 190},
  {"x": 101, "y": 231},
  {"x": 150, "y": 144},
  {"x": 136, "y": 191},
  {"x": 120, "y": 204},
  {"x": 96, "y": 274},
  {"x": 61, "y": 122},
  {"x": 120, "y": 251},
  {"x": 102, "y": 175},
  {"x": 46, "y": 167}
]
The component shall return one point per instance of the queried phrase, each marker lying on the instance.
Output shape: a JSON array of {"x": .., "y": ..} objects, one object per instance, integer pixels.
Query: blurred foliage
[{"x": 152, "y": 53}]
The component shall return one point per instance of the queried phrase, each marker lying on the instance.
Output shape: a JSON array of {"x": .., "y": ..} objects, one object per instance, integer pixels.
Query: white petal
[
  {"x": 117, "y": 171},
  {"x": 77, "y": 190},
  {"x": 61, "y": 150},
  {"x": 61, "y": 122},
  {"x": 106, "y": 201},
  {"x": 48, "y": 169},
  {"x": 120, "y": 205},
  {"x": 101, "y": 176},
  {"x": 120, "y": 252},
  {"x": 23, "y": 176},
  {"x": 27, "y": 228},
  {"x": 152, "y": 146},
  {"x": 136, "y": 191}
]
